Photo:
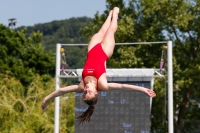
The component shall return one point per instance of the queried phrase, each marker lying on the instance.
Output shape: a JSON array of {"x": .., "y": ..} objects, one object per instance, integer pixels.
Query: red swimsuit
[{"x": 95, "y": 63}]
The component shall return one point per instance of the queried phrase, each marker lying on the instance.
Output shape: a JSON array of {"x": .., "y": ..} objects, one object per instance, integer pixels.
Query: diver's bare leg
[
  {"x": 98, "y": 37},
  {"x": 109, "y": 39}
]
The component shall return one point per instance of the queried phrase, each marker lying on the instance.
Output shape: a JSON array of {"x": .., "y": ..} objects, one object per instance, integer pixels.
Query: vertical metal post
[
  {"x": 57, "y": 99},
  {"x": 170, "y": 88},
  {"x": 152, "y": 83}
]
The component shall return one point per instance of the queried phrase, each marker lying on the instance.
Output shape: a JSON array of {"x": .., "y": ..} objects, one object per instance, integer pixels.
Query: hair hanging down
[{"x": 85, "y": 117}]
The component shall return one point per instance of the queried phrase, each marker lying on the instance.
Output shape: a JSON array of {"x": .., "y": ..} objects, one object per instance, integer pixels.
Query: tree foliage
[
  {"x": 26, "y": 77},
  {"x": 181, "y": 25},
  {"x": 22, "y": 56},
  {"x": 62, "y": 31},
  {"x": 22, "y": 113},
  {"x": 26, "y": 69}
]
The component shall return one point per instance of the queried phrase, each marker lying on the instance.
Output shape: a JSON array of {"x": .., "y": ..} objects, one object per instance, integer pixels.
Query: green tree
[
  {"x": 175, "y": 20},
  {"x": 22, "y": 114},
  {"x": 63, "y": 31},
  {"x": 23, "y": 57},
  {"x": 25, "y": 80},
  {"x": 179, "y": 18}
]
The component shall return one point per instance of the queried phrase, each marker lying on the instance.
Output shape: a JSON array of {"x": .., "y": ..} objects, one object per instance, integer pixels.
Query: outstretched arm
[
  {"x": 127, "y": 87},
  {"x": 59, "y": 92}
]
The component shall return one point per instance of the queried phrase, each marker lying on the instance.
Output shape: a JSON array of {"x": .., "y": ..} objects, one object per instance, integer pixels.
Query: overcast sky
[{"x": 30, "y": 12}]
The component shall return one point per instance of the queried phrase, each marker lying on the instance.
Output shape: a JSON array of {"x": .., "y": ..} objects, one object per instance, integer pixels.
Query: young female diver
[{"x": 100, "y": 49}]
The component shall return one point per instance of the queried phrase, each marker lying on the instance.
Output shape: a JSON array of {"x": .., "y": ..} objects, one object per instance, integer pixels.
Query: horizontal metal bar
[
  {"x": 135, "y": 43},
  {"x": 156, "y": 69},
  {"x": 74, "y": 70},
  {"x": 132, "y": 43},
  {"x": 156, "y": 76},
  {"x": 69, "y": 76}
]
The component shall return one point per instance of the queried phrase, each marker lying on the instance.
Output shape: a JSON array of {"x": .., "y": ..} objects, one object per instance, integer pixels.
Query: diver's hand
[
  {"x": 150, "y": 93},
  {"x": 44, "y": 104}
]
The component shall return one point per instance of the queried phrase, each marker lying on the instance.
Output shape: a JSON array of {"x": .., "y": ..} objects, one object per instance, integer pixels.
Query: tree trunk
[{"x": 182, "y": 109}]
